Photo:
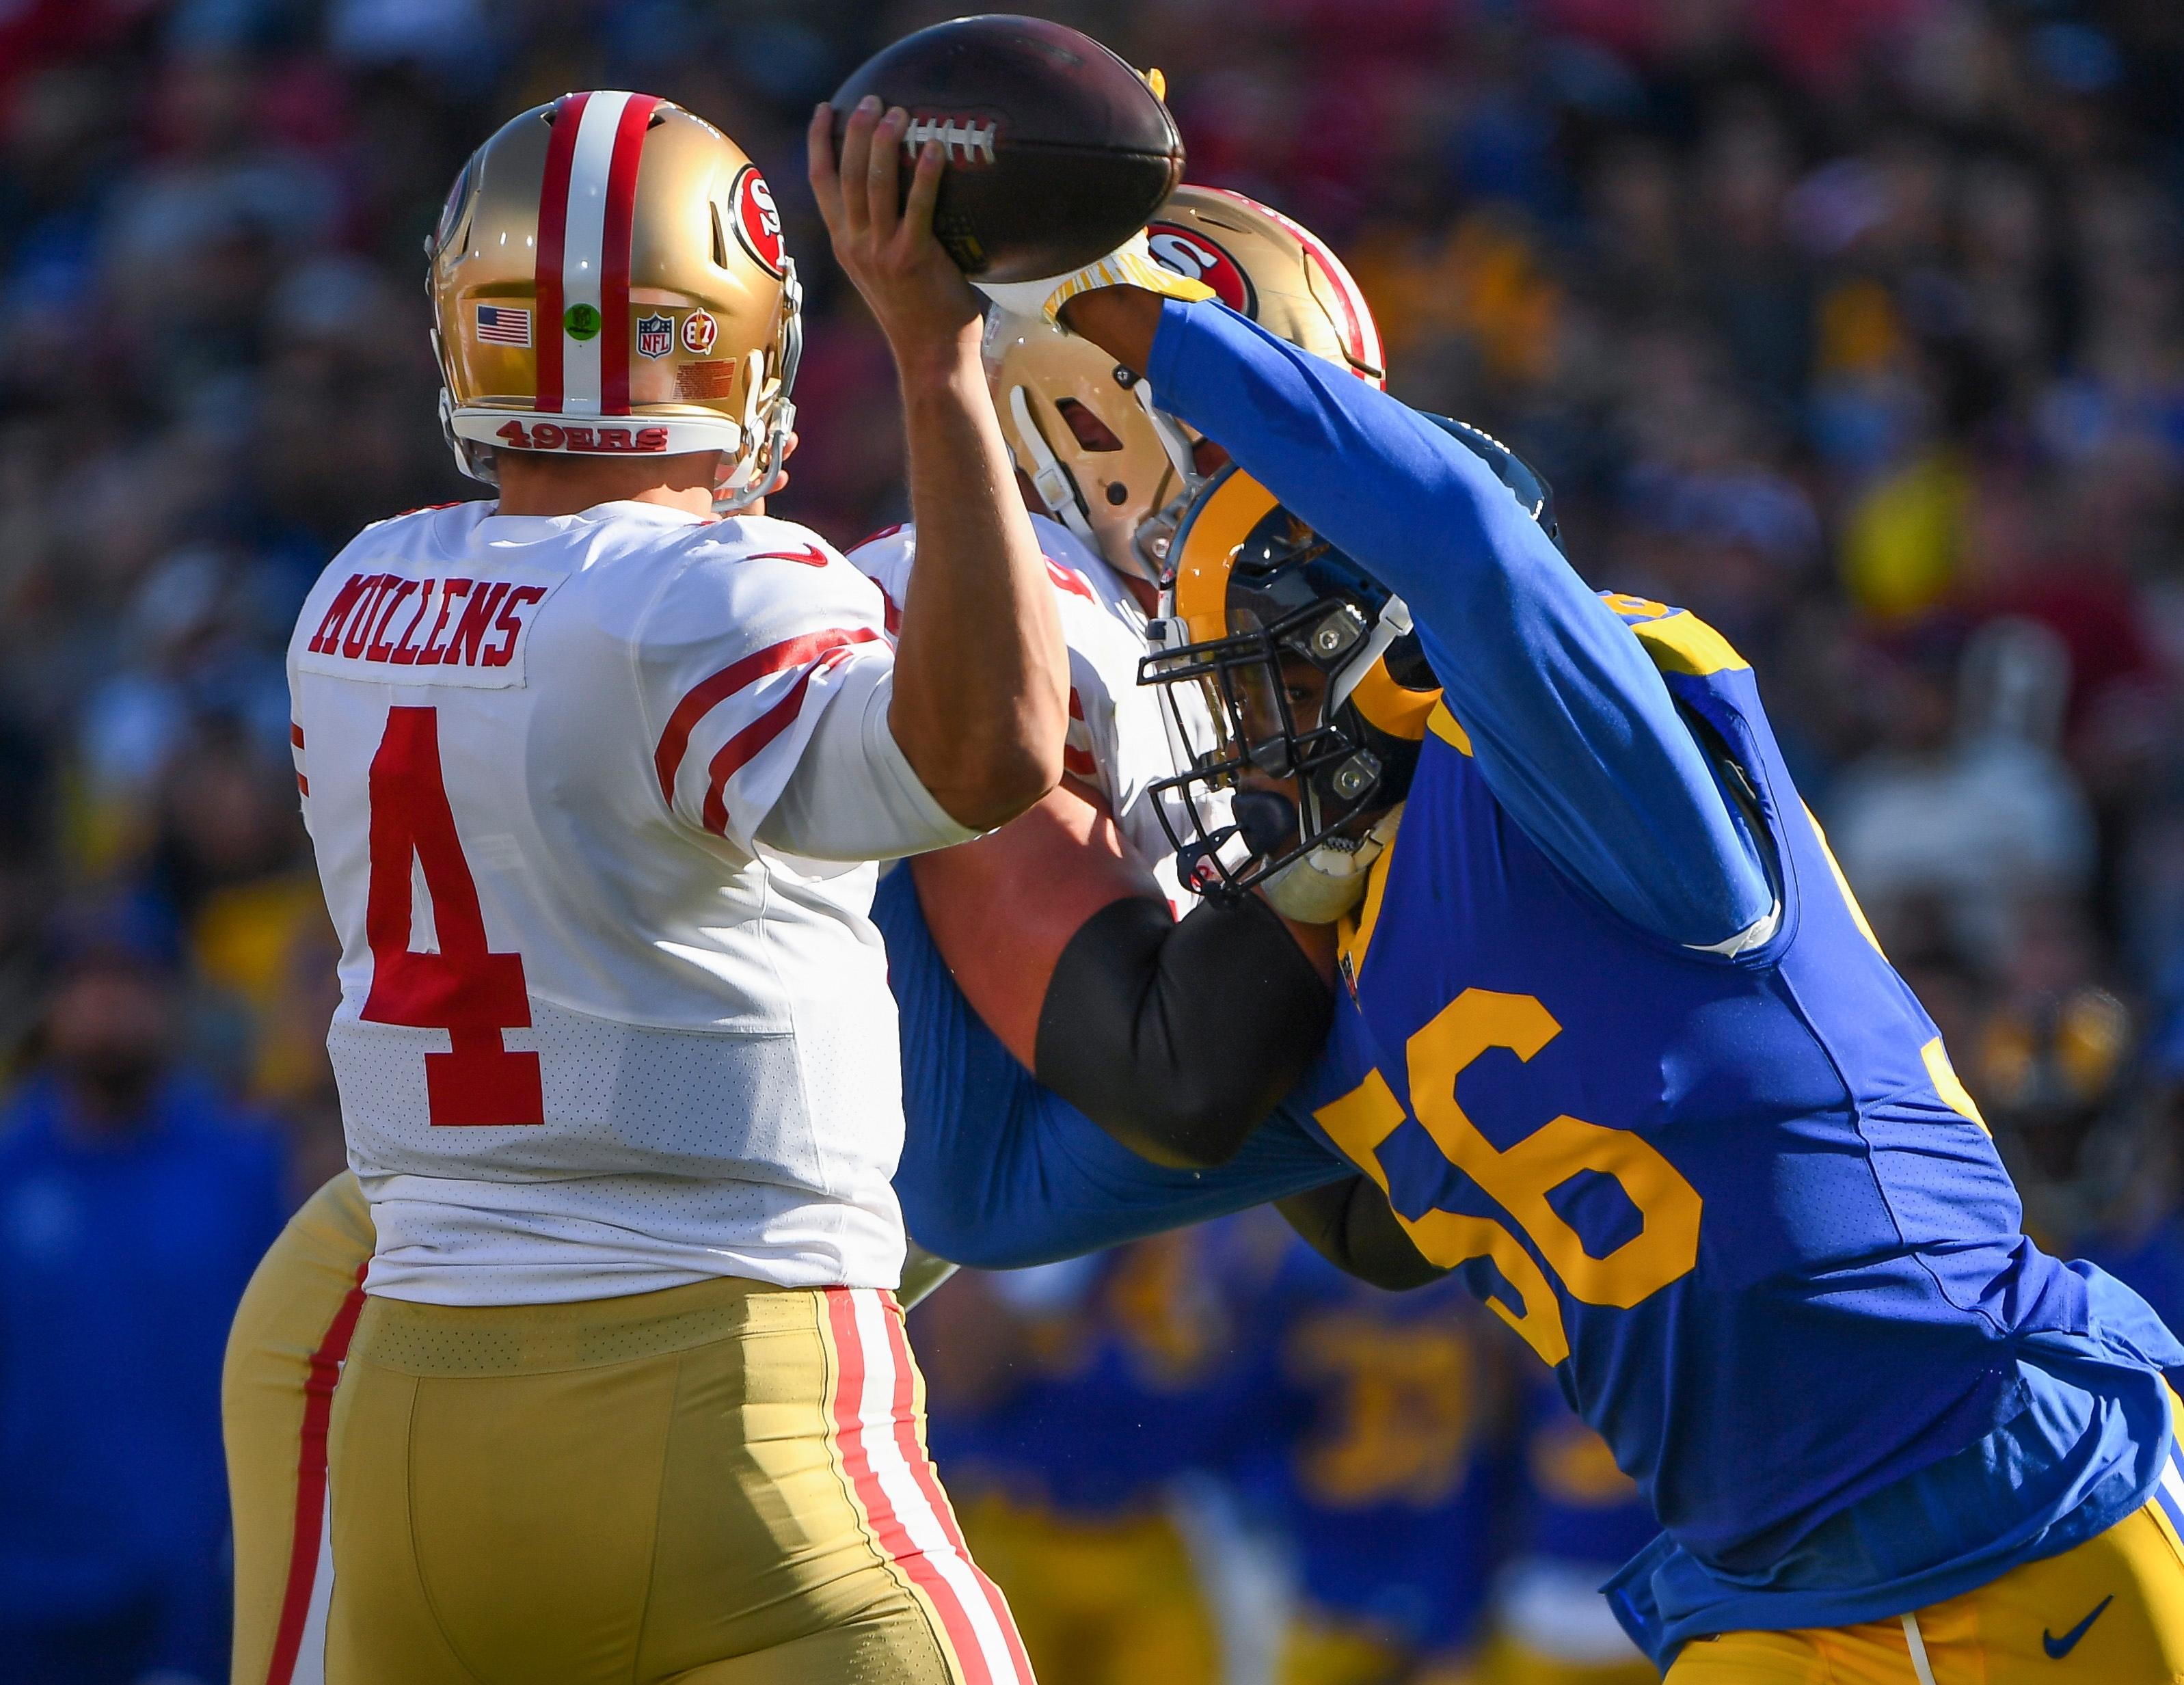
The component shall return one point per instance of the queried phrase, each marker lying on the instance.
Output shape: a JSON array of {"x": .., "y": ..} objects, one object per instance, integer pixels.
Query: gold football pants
[
  {"x": 723, "y": 1484},
  {"x": 2110, "y": 1612}
]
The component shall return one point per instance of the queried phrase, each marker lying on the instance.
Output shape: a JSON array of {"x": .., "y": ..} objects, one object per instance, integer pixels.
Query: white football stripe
[
  {"x": 583, "y": 245},
  {"x": 311, "y": 1653},
  {"x": 907, "y": 1496}
]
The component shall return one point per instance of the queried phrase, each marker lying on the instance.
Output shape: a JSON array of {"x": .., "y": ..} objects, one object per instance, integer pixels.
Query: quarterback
[
  {"x": 1078, "y": 429},
  {"x": 595, "y": 775},
  {"x": 1616, "y": 1045}
]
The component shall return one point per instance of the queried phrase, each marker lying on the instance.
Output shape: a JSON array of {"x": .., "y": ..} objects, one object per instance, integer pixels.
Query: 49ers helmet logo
[
  {"x": 1192, "y": 255},
  {"x": 758, "y": 223}
]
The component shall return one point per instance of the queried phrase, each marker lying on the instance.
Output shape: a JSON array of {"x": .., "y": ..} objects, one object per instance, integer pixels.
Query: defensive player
[
  {"x": 1617, "y": 1045},
  {"x": 594, "y": 780},
  {"x": 1079, "y": 431}
]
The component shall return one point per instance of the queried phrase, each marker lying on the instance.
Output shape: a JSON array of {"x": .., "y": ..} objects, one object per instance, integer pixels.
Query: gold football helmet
[
  {"x": 1101, "y": 459},
  {"x": 607, "y": 277}
]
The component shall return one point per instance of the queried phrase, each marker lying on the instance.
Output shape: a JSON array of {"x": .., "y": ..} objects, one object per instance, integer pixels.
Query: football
[{"x": 1057, "y": 150}]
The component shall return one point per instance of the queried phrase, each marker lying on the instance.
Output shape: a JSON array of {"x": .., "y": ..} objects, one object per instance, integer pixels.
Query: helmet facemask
[
  {"x": 1285, "y": 762},
  {"x": 1297, "y": 801}
]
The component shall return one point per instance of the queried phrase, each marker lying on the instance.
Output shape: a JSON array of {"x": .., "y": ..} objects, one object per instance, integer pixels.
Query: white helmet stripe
[{"x": 584, "y": 250}]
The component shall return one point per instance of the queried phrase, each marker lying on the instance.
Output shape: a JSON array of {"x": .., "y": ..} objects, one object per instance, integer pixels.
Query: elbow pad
[
  {"x": 1351, "y": 1225},
  {"x": 1177, "y": 1038}
]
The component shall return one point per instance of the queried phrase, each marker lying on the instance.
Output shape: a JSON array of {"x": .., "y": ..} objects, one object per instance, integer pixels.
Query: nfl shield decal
[{"x": 656, "y": 336}]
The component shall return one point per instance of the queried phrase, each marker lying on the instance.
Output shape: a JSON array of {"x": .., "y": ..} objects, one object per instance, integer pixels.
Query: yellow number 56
[{"x": 1521, "y": 1176}]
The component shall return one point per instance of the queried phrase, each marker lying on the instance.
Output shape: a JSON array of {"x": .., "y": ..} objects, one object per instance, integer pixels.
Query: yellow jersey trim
[
  {"x": 1354, "y": 935},
  {"x": 1683, "y": 643},
  {"x": 1943, "y": 1076}
]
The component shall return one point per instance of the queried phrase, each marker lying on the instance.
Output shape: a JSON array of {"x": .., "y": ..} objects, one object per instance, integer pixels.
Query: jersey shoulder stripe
[
  {"x": 1677, "y": 639},
  {"x": 702, "y": 697},
  {"x": 745, "y": 746}
]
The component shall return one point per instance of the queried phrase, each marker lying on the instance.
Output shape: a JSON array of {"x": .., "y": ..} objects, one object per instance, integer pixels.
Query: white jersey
[
  {"x": 1120, "y": 742},
  {"x": 595, "y": 1037}
]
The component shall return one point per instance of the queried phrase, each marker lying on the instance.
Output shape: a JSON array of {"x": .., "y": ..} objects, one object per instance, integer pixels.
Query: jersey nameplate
[{"x": 388, "y": 628}]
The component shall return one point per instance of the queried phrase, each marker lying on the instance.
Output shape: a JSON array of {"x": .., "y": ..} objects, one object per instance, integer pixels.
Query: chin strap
[
  {"x": 760, "y": 473},
  {"x": 1173, "y": 439},
  {"x": 1329, "y": 882},
  {"x": 1049, "y": 479},
  {"x": 1394, "y": 621}
]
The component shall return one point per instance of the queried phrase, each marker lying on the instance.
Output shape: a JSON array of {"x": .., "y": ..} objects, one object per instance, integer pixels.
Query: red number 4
[{"x": 471, "y": 993}]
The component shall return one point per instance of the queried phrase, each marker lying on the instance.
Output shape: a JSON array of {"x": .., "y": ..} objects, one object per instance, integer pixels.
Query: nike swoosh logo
[
  {"x": 810, "y": 556},
  {"x": 2057, "y": 1647}
]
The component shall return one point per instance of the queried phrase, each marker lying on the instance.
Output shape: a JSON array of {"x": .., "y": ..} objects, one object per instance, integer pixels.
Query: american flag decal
[{"x": 502, "y": 325}]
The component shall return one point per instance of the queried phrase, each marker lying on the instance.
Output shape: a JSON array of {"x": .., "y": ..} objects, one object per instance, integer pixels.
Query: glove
[{"x": 1129, "y": 264}]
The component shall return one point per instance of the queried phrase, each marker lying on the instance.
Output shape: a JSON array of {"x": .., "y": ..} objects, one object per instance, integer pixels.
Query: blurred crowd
[{"x": 1853, "y": 325}]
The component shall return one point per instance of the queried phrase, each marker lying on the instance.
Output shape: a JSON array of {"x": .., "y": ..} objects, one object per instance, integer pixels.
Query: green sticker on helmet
[{"x": 581, "y": 322}]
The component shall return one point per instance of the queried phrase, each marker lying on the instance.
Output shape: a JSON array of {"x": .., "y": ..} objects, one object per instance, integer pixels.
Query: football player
[
  {"x": 595, "y": 777},
  {"x": 1055, "y": 393},
  {"x": 1617, "y": 1045}
]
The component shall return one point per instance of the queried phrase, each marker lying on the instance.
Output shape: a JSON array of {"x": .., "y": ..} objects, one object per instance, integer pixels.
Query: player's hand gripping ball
[{"x": 1058, "y": 151}]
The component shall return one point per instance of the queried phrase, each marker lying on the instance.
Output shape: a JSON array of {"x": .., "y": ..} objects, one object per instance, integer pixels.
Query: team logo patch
[
  {"x": 656, "y": 336},
  {"x": 1193, "y": 256},
  {"x": 581, "y": 321},
  {"x": 502, "y": 325},
  {"x": 758, "y": 223},
  {"x": 700, "y": 330}
]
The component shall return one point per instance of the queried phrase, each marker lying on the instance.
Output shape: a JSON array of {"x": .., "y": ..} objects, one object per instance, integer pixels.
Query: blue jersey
[
  {"x": 1703, "y": 1187},
  {"x": 1714, "y": 1169},
  {"x": 1740, "y": 1203},
  {"x": 1372, "y": 1436},
  {"x": 2150, "y": 1260}
]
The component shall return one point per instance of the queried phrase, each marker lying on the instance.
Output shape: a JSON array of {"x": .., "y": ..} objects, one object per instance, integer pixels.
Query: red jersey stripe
[
  {"x": 615, "y": 252},
  {"x": 552, "y": 235},
  {"x": 708, "y": 694},
  {"x": 740, "y": 750}
]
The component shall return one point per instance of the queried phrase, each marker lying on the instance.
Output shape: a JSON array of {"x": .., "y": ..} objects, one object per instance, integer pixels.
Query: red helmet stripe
[
  {"x": 553, "y": 233},
  {"x": 615, "y": 252},
  {"x": 1361, "y": 336}
]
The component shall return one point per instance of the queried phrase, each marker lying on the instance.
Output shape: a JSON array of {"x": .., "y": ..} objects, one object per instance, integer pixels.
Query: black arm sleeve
[
  {"x": 1178, "y": 1037},
  {"x": 1351, "y": 1225}
]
